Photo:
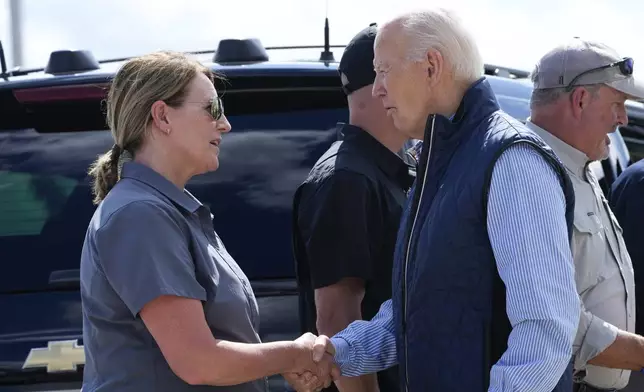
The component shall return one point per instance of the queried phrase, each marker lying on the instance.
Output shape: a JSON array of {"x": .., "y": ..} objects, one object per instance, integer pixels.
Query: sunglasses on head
[{"x": 625, "y": 67}]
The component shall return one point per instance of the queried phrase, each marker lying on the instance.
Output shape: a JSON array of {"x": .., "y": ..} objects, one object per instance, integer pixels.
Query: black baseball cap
[{"x": 356, "y": 65}]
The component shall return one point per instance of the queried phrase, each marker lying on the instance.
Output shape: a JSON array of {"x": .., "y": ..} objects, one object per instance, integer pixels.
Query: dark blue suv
[{"x": 52, "y": 127}]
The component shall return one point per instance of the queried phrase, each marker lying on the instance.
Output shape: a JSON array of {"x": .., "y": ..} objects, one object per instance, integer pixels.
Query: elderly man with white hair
[{"x": 484, "y": 294}]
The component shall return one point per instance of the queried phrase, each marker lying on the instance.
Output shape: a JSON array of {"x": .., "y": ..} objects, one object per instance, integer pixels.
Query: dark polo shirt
[
  {"x": 146, "y": 239},
  {"x": 627, "y": 203},
  {"x": 346, "y": 217}
]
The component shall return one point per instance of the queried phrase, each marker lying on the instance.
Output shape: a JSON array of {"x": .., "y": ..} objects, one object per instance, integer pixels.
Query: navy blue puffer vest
[{"x": 448, "y": 300}]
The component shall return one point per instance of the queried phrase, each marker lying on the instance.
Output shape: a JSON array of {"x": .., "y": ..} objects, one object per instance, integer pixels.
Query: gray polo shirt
[{"x": 147, "y": 239}]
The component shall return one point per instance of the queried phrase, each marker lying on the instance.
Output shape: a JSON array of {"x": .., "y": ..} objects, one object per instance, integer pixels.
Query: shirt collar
[
  {"x": 387, "y": 161},
  {"x": 478, "y": 102},
  {"x": 416, "y": 150},
  {"x": 148, "y": 176},
  {"x": 574, "y": 160}
]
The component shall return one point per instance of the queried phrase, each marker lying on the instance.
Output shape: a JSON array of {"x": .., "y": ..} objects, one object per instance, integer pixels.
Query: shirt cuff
[
  {"x": 341, "y": 353},
  {"x": 599, "y": 336}
]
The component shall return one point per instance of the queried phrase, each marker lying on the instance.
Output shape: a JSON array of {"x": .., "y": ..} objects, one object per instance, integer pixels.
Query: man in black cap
[{"x": 347, "y": 213}]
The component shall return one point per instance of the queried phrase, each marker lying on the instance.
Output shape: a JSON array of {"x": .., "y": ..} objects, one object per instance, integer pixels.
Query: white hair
[{"x": 442, "y": 30}]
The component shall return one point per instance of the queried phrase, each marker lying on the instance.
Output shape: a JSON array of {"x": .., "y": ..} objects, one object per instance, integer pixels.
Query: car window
[
  {"x": 45, "y": 191},
  {"x": 22, "y": 210}
]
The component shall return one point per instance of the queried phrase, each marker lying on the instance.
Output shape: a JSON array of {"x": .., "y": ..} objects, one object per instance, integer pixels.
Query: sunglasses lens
[
  {"x": 217, "y": 108},
  {"x": 627, "y": 66}
]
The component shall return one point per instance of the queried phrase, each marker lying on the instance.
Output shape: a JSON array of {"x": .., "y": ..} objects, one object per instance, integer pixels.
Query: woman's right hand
[{"x": 314, "y": 367}]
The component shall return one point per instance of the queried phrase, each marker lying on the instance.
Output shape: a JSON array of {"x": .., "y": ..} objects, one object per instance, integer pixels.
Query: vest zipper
[{"x": 411, "y": 234}]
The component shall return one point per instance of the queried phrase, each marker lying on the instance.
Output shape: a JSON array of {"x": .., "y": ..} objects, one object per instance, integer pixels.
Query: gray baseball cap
[{"x": 581, "y": 62}]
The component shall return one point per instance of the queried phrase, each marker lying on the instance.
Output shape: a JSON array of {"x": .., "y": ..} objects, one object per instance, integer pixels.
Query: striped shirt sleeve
[
  {"x": 366, "y": 347},
  {"x": 528, "y": 233}
]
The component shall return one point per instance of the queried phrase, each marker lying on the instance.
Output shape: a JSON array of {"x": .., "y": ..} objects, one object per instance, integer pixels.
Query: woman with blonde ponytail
[
  {"x": 106, "y": 171},
  {"x": 165, "y": 307}
]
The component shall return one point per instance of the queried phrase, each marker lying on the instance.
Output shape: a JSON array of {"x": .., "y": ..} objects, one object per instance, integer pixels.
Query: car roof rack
[{"x": 228, "y": 51}]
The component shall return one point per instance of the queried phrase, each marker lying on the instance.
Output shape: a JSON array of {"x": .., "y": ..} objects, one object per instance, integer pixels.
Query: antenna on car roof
[{"x": 327, "y": 55}]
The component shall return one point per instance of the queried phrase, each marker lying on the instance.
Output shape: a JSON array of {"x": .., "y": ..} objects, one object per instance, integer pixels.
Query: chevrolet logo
[{"x": 58, "y": 356}]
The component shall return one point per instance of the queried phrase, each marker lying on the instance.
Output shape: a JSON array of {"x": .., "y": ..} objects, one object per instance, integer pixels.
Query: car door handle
[{"x": 65, "y": 279}]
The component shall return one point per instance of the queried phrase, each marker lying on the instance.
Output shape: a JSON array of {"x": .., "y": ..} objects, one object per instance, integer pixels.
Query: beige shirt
[{"x": 603, "y": 269}]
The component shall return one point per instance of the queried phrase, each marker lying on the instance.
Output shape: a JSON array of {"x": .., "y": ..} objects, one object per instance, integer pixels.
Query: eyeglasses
[
  {"x": 216, "y": 108},
  {"x": 625, "y": 67}
]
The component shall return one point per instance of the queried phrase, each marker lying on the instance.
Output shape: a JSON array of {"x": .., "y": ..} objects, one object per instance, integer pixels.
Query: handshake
[{"x": 314, "y": 367}]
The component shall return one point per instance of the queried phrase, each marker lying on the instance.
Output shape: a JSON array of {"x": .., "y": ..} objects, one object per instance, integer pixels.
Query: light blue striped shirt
[{"x": 527, "y": 230}]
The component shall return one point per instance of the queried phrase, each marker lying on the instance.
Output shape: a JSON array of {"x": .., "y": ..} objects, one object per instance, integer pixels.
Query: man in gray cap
[{"x": 579, "y": 93}]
